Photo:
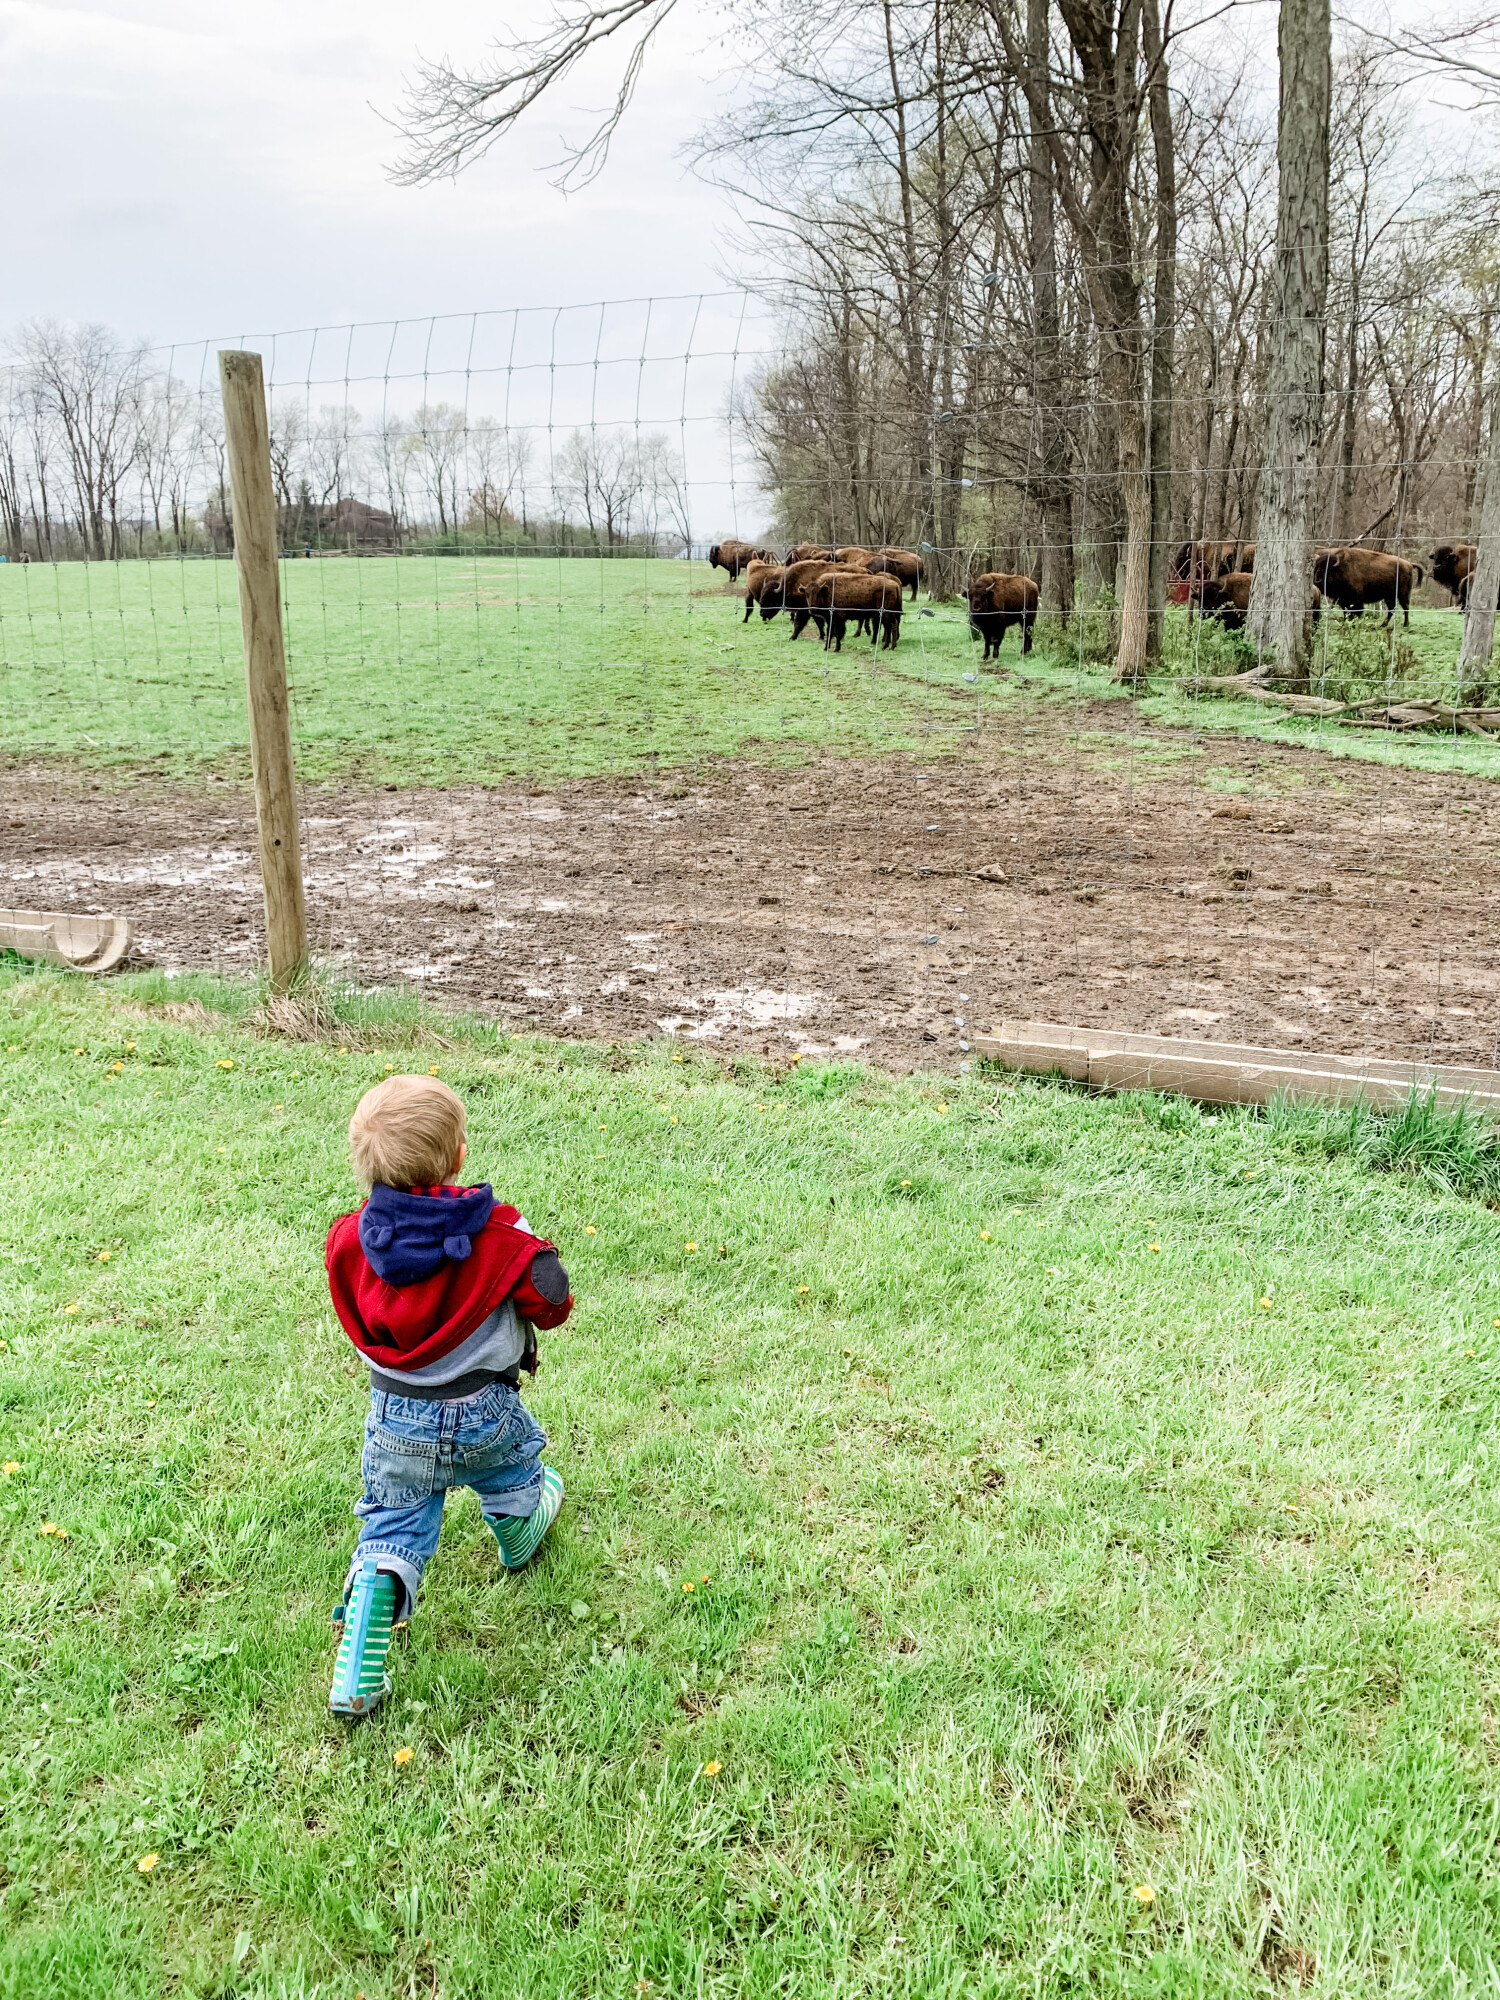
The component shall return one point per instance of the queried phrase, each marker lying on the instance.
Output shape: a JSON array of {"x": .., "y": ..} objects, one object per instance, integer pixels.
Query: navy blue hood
[{"x": 406, "y": 1237}]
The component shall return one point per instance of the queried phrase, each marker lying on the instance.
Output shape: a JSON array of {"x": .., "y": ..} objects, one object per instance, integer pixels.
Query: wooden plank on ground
[{"x": 1230, "y": 1072}]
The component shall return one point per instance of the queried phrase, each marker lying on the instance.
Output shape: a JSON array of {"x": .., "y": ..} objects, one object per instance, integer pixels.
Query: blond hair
[{"x": 406, "y": 1132}]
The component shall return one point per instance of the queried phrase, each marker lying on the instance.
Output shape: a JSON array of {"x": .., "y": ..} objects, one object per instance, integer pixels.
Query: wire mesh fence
[{"x": 565, "y": 755}]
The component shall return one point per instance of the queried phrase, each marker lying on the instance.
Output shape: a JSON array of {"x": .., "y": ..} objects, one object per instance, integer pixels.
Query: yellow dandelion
[
  {"x": 712, "y": 1770},
  {"x": 80, "y": 1052},
  {"x": 515, "y": 1038},
  {"x": 1265, "y": 1305},
  {"x": 1154, "y": 1248},
  {"x": 906, "y": 1184},
  {"x": 147, "y": 1862},
  {"x": 105, "y": 1255},
  {"x": 1145, "y": 1894},
  {"x": 705, "y": 1579},
  {"x": 403, "y": 1757},
  {"x": 70, "y": 1309},
  {"x": 130, "y": 1045},
  {"x": 278, "y": 1107},
  {"x": 804, "y": 1288},
  {"x": 689, "y": 1588},
  {"x": 225, "y": 1062},
  {"x": 941, "y": 1109},
  {"x": 675, "y": 1119},
  {"x": 589, "y": 1229},
  {"x": 1250, "y": 1173},
  {"x": 389, "y": 1067},
  {"x": 152, "y": 1404},
  {"x": 1495, "y": 1322},
  {"x": 432, "y": 1072},
  {"x": 11, "y": 1467},
  {"x": 1468, "y": 1354},
  {"x": 677, "y": 1058},
  {"x": 603, "y": 1128},
  {"x": 984, "y": 1236},
  {"x": 689, "y": 1246},
  {"x": 115, "y": 1066}
]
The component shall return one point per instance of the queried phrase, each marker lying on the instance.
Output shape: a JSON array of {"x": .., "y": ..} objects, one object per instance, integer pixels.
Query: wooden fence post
[{"x": 255, "y": 558}]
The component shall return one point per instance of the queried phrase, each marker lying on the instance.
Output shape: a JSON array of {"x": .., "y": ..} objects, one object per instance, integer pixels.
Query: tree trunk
[
  {"x": 1484, "y": 585},
  {"x": 1163, "y": 330},
  {"x": 1055, "y": 578},
  {"x": 1281, "y": 592}
]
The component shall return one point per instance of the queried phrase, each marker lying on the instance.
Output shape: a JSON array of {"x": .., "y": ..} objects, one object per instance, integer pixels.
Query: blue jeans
[{"x": 415, "y": 1450}]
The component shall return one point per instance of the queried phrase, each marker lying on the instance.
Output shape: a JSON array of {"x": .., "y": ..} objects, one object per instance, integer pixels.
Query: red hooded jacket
[{"x": 409, "y": 1325}]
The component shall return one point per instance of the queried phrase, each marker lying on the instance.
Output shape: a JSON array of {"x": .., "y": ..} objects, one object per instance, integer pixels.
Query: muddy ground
[{"x": 1157, "y": 881}]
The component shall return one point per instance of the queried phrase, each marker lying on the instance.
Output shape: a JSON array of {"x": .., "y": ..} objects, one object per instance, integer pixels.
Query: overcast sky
[{"x": 180, "y": 170}]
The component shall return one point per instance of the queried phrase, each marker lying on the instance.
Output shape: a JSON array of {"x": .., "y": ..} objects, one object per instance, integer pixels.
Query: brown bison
[
  {"x": 1192, "y": 560},
  {"x": 760, "y": 577},
  {"x": 789, "y": 593},
  {"x": 996, "y": 602},
  {"x": 1353, "y": 578},
  {"x": 805, "y": 552},
  {"x": 1227, "y": 598},
  {"x": 735, "y": 556},
  {"x": 1453, "y": 567},
  {"x": 874, "y": 602},
  {"x": 897, "y": 562}
]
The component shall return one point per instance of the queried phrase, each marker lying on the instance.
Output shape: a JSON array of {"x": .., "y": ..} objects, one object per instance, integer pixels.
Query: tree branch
[{"x": 452, "y": 117}]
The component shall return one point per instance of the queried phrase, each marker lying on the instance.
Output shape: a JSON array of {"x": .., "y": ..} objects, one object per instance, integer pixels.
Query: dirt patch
[{"x": 880, "y": 907}]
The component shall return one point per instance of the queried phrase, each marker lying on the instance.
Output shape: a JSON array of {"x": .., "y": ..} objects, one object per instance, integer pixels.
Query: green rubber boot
[
  {"x": 520, "y": 1536},
  {"x": 359, "y": 1676}
]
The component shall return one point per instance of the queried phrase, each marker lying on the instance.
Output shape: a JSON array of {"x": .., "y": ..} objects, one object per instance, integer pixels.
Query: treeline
[
  {"x": 104, "y": 455},
  {"x": 1022, "y": 262}
]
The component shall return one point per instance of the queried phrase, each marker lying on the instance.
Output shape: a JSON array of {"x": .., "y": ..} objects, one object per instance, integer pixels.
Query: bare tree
[
  {"x": 599, "y": 472},
  {"x": 1280, "y": 596},
  {"x": 89, "y": 387},
  {"x": 1484, "y": 585},
  {"x": 435, "y": 444},
  {"x": 1163, "y": 322}
]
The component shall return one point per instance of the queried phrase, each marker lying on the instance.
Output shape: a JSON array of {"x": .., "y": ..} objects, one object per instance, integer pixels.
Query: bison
[
  {"x": 897, "y": 562},
  {"x": 789, "y": 594},
  {"x": 1227, "y": 598},
  {"x": 735, "y": 556},
  {"x": 874, "y": 602},
  {"x": 759, "y": 578},
  {"x": 996, "y": 602},
  {"x": 1192, "y": 560},
  {"x": 1453, "y": 567},
  {"x": 806, "y": 551},
  {"x": 1354, "y": 577}
]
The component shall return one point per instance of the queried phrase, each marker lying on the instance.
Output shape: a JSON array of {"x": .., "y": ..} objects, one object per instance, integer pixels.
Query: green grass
[
  {"x": 474, "y": 669},
  {"x": 1146, "y": 1543}
]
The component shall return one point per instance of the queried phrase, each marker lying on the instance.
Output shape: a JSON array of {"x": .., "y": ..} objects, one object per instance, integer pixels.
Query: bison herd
[
  {"x": 834, "y": 588},
  {"x": 1216, "y": 576},
  {"x": 831, "y": 589}
]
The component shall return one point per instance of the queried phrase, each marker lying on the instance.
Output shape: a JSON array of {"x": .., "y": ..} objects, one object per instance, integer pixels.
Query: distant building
[{"x": 354, "y": 520}]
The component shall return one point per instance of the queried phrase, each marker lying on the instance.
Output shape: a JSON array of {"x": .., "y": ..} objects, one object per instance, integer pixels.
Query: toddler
[{"x": 440, "y": 1288}]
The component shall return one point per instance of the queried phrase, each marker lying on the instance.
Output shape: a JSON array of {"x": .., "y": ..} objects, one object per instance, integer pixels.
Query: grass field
[
  {"x": 1089, "y": 1509},
  {"x": 425, "y": 671}
]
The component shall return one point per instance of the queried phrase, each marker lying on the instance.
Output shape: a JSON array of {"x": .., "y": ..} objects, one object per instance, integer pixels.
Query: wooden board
[
  {"x": 86, "y": 944},
  {"x": 1230, "y": 1072}
]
